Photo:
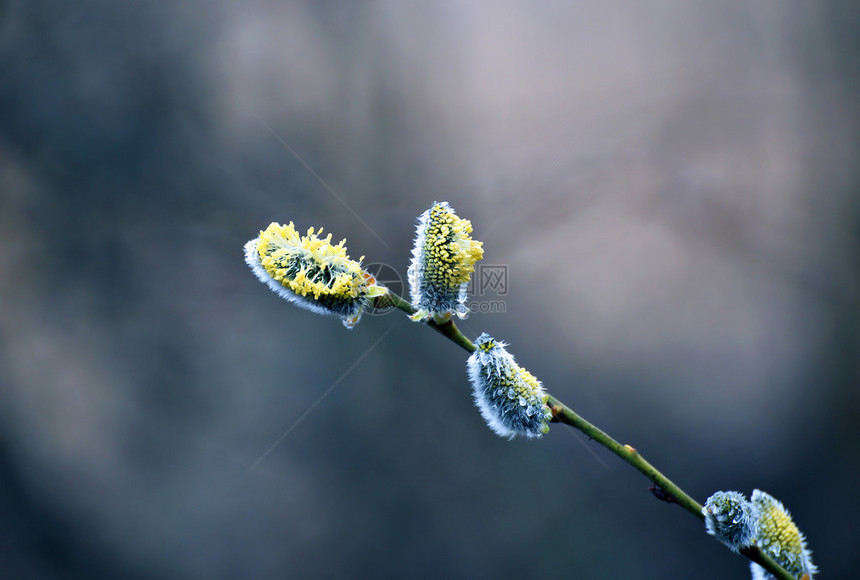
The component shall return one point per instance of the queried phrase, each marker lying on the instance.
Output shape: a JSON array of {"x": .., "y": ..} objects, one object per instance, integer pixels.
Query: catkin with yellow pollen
[
  {"x": 778, "y": 536},
  {"x": 443, "y": 259},
  {"x": 511, "y": 400},
  {"x": 311, "y": 272}
]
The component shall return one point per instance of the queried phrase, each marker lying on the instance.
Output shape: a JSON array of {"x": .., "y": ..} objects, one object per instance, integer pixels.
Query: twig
[{"x": 561, "y": 413}]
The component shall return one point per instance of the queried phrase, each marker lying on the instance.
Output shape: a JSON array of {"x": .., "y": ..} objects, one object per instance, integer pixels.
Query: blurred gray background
[{"x": 672, "y": 186}]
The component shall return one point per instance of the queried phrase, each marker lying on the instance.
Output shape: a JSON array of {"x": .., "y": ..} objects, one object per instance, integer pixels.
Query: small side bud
[
  {"x": 731, "y": 519},
  {"x": 779, "y": 537},
  {"x": 511, "y": 400}
]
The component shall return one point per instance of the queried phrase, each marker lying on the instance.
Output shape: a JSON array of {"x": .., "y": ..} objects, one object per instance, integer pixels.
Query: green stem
[
  {"x": 561, "y": 413},
  {"x": 448, "y": 329},
  {"x": 768, "y": 563}
]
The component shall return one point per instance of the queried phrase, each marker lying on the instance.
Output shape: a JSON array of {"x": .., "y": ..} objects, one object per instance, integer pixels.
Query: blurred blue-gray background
[{"x": 672, "y": 186}]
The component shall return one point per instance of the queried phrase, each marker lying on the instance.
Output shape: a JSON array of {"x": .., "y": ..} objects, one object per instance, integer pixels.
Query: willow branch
[
  {"x": 448, "y": 329},
  {"x": 561, "y": 413}
]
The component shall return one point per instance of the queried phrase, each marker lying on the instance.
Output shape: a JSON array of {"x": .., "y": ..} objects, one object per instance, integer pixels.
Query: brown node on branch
[
  {"x": 382, "y": 301},
  {"x": 662, "y": 494}
]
